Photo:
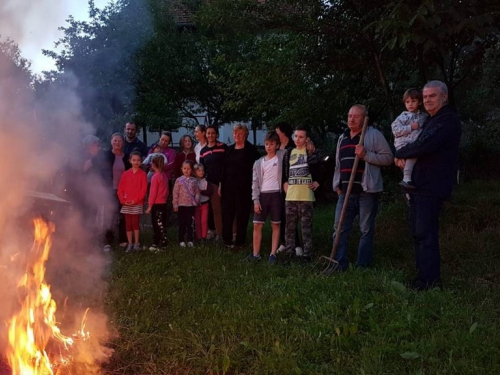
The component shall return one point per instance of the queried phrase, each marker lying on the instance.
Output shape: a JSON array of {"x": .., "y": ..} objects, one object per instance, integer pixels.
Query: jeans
[
  {"x": 424, "y": 225},
  {"x": 364, "y": 205}
]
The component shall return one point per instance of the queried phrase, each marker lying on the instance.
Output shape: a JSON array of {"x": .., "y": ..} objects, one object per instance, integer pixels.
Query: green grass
[{"x": 204, "y": 311}]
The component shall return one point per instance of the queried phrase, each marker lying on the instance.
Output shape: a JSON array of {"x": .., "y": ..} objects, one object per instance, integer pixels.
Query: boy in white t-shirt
[
  {"x": 266, "y": 195},
  {"x": 299, "y": 184}
]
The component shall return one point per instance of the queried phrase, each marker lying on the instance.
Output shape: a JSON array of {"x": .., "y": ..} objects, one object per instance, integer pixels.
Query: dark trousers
[
  {"x": 185, "y": 216},
  {"x": 236, "y": 204},
  {"x": 424, "y": 225},
  {"x": 120, "y": 219},
  {"x": 159, "y": 220}
]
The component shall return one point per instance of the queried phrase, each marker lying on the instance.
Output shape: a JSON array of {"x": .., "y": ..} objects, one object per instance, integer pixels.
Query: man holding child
[{"x": 436, "y": 150}]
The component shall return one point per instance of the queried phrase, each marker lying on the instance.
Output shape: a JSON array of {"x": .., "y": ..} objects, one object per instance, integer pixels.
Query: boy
[
  {"x": 299, "y": 184},
  {"x": 266, "y": 195},
  {"x": 406, "y": 129}
]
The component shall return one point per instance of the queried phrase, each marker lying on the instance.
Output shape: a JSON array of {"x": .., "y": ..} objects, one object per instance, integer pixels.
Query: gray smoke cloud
[{"x": 40, "y": 140}]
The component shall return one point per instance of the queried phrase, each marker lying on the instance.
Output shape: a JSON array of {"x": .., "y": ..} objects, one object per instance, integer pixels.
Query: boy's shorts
[{"x": 271, "y": 204}]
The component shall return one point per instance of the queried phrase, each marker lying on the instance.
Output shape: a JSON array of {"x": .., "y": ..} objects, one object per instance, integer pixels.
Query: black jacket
[{"x": 436, "y": 150}]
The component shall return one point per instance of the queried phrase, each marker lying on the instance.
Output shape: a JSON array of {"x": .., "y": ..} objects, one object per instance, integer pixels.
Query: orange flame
[{"x": 31, "y": 330}]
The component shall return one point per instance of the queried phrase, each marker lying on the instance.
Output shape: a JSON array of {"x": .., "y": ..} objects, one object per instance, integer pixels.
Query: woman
[
  {"x": 186, "y": 153},
  {"x": 212, "y": 157},
  {"x": 117, "y": 163},
  {"x": 200, "y": 135},
  {"x": 164, "y": 142},
  {"x": 237, "y": 186}
]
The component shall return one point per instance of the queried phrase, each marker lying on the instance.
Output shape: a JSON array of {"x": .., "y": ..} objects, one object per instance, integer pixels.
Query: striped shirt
[{"x": 346, "y": 158}]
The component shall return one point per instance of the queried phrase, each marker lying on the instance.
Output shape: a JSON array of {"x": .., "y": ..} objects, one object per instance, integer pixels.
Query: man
[
  {"x": 363, "y": 201},
  {"x": 436, "y": 150},
  {"x": 132, "y": 143}
]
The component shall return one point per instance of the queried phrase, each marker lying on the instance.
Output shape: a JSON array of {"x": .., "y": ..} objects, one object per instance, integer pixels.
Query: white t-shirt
[
  {"x": 197, "y": 150},
  {"x": 270, "y": 178}
]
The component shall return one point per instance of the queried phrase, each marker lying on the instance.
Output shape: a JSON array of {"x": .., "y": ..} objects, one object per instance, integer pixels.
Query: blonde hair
[
  {"x": 241, "y": 127},
  {"x": 158, "y": 161}
]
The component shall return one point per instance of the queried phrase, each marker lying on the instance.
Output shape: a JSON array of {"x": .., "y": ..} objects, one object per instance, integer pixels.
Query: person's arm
[
  {"x": 286, "y": 169},
  {"x": 401, "y": 126},
  {"x": 379, "y": 154},
  {"x": 255, "y": 187},
  {"x": 431, "y": 139},
  {"x": 175, "y": 195}
]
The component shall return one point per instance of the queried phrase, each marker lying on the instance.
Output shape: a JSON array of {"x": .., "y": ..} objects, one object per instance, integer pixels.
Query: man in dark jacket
[{"x": 436, "y": 150}]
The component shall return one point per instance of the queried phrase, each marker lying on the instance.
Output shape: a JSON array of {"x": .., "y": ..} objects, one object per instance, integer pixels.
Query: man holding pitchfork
[{"x": 365, "y": 187}]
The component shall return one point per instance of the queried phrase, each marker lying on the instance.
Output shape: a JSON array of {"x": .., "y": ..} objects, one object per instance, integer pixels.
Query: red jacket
[
  {"x": 158, "y": 193},
  {"x": 132, "y": 186}
]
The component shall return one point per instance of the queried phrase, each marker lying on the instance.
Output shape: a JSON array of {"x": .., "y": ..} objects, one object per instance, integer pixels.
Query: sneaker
[
  {"x": 123, "y": 245},
  {"x": 407, "y": 185},
  {"x": 298, "y": 251},
  {"x": 272, "y": 260},
  {"x": 182, "y": 244},
  {"x": 106, "y": 248},
  {"x": 281, "y": 249},
  {"x": 218, "y": 239},
  {"x": 190, "y": 244},
  {"x": 210, "y": 234},
  {"x": 253, "y": 258},
  {"x": 129, "y": 247},
  {"x": 229, "y": 246},
  {"x": 153, "y": 248},
  {"x": 137, "y": 246}
]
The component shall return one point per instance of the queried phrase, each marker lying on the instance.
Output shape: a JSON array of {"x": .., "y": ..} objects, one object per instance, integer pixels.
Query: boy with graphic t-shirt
[{"x": 299, "y": 184}]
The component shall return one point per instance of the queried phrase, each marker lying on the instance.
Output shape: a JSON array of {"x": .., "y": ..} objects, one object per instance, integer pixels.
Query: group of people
[{"x": 213, "y": 185}]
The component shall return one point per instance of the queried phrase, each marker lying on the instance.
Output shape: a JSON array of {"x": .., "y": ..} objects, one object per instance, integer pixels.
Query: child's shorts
[{"x": 271, "y": 204}]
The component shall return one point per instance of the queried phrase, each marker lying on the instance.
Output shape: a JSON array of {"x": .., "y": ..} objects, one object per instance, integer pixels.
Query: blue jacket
[{"x": 436, "y": 150}]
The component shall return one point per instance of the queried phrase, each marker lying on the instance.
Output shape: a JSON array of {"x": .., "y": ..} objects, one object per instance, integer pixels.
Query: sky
[{"x": 34, "y": 25}]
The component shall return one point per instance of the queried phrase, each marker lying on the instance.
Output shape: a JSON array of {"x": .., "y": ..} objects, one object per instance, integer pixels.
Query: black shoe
[
  {"x": 253, "y": 259},
  {"x": 407, "y": 185}
]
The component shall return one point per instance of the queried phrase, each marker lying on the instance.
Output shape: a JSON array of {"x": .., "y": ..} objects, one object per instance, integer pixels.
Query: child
[
  {"x": 266, "y": 195},
  {"x": 131, "y": 192},
  {"x": 186, "y": 196},
  {"x": 299, "y": 184},
  {"x": 406, "y": 129},
  {"x": 186, "y": 153},
  {"x": 149, "y": 159},
  {"x": 157, "y": 203},
  {"x": 201, "y": 211}
]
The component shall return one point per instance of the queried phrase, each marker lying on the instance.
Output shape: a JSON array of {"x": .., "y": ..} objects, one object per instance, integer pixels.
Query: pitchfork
[{"x": 331, "y": 263}]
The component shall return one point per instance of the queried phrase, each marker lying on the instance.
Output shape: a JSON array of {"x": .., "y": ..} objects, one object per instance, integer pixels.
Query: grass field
[{"x": 205, "y": 311}]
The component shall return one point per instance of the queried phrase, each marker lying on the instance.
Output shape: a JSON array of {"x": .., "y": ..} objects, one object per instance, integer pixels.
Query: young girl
[
  {"x": 186, "y": 153},
  {"x": 186, "y": 196},
  {"x": 406, "y": 129},
  {"x": 131, "y": 192},
  {"x": 201, "y": 211},
  {"x": 157, "y": 203}
]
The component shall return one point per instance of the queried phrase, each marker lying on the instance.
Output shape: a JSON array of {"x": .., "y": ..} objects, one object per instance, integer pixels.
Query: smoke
[{"x": 40, "y": 150}]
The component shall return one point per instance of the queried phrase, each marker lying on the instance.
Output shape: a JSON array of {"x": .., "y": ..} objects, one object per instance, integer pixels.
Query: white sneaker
[
  {"x": 281, "y": 249},
  {"x": 106, "y": 248},
  {"x": 298, "y": 251},
  {"x": 183, "y": 244},
  {"x": 190, "y": 244}
]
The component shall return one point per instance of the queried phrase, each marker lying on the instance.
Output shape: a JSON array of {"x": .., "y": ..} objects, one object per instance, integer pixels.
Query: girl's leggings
[
  {"x": 201, "y": 220},
  {"x": 132, "y": 222}
]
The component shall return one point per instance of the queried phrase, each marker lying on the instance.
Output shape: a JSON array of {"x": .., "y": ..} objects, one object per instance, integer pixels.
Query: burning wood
[{"x": 36, "y": 344}]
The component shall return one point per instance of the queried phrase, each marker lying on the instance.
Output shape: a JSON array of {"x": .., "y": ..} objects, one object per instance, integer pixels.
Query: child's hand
[
  {"x": 257, "y": 208},
  {"x": 285, "y": 187},
  {"x": 414, "y": 126},
  {"x": 148, "y": 211},
  {"x": 313, "y": 185},
  {"x": 176, "y": 209},
  {"x": 128, "y": 203}
]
